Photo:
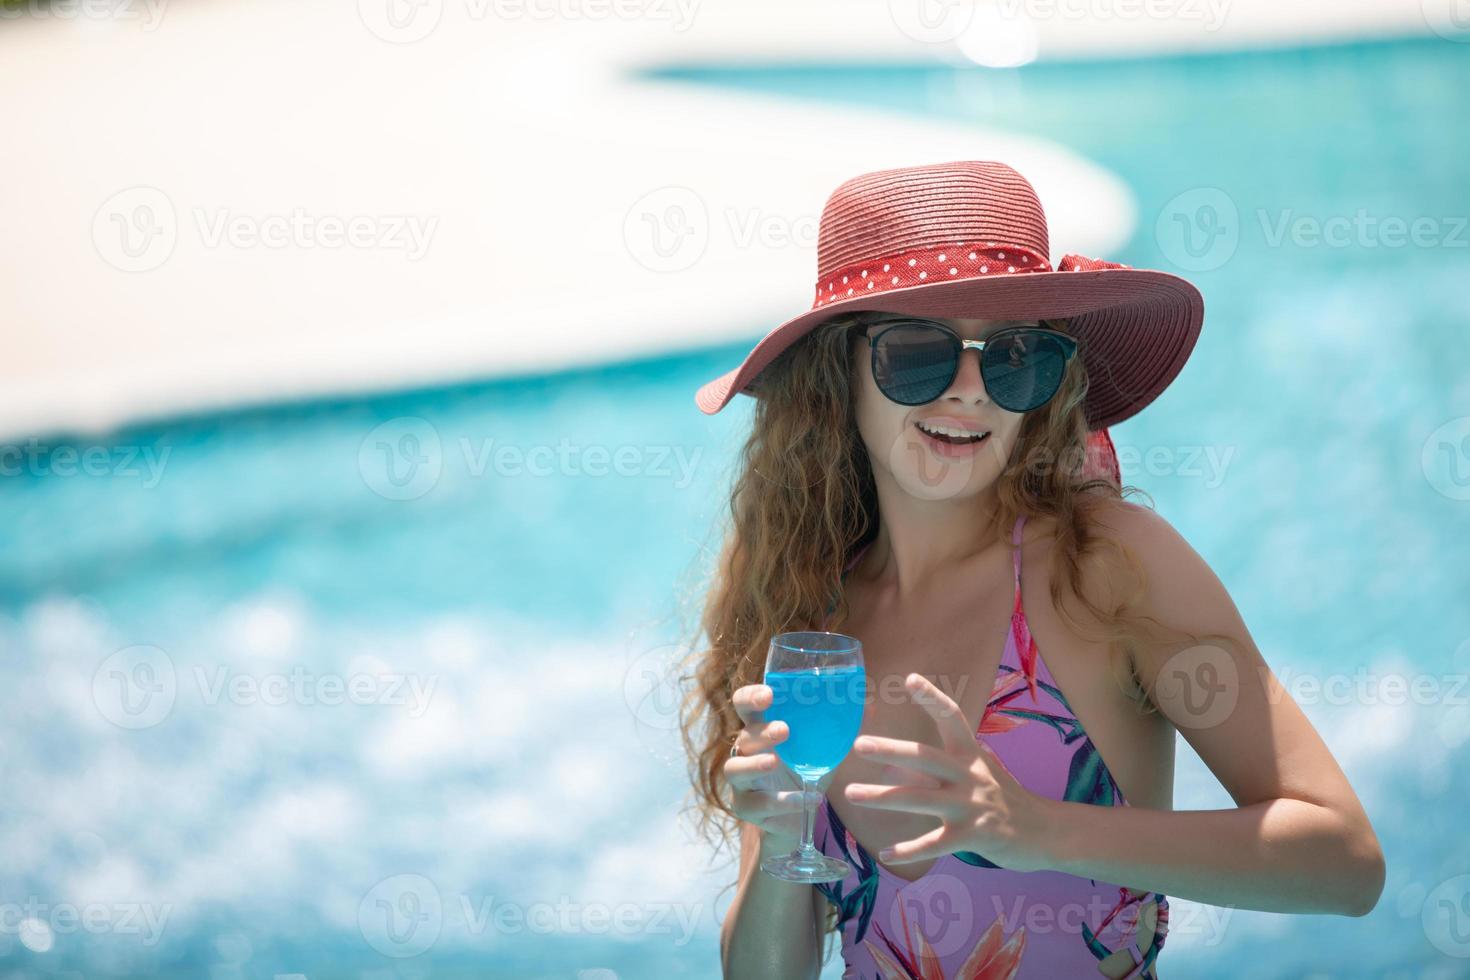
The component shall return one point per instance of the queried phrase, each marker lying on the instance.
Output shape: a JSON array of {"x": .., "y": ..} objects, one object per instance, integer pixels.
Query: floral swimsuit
[{"x": 968, "y": 919}]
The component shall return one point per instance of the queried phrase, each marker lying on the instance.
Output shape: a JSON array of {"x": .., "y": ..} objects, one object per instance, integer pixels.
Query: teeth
[{"x": 945, "y": 430}]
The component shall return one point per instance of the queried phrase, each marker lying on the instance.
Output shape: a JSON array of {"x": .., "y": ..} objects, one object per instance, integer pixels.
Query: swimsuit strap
[{"x": 1016, "y": 548}]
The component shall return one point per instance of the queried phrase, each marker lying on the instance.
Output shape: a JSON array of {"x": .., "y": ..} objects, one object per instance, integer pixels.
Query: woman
[{"x": 1007, "y": 808}]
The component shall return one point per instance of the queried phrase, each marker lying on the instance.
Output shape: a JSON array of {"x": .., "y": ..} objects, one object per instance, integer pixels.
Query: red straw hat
[{"x": 968, "y": 239}]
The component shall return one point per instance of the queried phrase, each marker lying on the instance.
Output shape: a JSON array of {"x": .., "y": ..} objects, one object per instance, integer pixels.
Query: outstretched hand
[{"x": 983, "y": 807}]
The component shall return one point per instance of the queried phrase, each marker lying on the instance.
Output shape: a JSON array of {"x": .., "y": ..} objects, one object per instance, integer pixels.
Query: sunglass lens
[
  {"x": 913, "y": 363},
  {"x": 1023, "y": 370}
]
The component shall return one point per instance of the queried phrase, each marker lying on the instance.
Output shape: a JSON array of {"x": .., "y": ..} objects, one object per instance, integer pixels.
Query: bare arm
[
  {"x": 1299, "y": 840},
  {"x": 770, "y": 930}
]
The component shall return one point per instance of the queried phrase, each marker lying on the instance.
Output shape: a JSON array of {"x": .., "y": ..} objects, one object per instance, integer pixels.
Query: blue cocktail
[
  {"x": 818, "y": 687},
  {"x": 823, "y": 710}
]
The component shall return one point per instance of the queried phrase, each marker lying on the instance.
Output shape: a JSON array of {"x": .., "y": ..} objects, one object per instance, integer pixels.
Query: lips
[
  {"x": 952, "y": 429},
  {"x": 950, "y": 447}
]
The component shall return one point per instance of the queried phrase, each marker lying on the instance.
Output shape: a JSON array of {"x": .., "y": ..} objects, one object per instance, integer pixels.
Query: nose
[{"x": 968, "y": 385}]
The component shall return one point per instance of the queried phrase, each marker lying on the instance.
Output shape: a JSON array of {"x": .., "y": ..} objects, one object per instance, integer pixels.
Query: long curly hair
[{"x": 803, "y": 502}]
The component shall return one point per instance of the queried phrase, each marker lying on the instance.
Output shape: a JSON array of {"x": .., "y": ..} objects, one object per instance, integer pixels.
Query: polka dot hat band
[{"x": 968, "y": 239}]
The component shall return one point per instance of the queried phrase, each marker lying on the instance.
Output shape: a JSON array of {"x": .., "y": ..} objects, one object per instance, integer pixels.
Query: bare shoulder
[
  {"x": 1178, "y": 584},
  {"x": 1129, "y": 540}
]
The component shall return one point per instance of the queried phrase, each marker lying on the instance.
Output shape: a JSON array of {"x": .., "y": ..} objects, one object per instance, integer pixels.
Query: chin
[{"x": 929, "y": 475}]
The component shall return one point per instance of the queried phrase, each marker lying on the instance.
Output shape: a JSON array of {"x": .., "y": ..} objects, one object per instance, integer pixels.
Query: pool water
[{"x": 178, "y": 648}]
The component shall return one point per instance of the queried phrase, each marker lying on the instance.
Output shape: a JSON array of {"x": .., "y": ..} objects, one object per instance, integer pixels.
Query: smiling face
[{"x": 912, "y": 447}]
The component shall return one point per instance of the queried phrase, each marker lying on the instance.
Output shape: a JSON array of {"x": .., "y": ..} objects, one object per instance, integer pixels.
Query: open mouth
[{"x": 949, "y": 437}]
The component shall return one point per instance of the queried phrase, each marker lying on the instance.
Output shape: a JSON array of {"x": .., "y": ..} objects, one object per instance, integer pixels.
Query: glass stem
[{"x": 808, "y": 813}]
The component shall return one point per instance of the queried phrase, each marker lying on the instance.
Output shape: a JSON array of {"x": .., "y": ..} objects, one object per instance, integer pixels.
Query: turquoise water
[
  {"x": 823, "y": 711},
  {"x": 502, "y": 746}
]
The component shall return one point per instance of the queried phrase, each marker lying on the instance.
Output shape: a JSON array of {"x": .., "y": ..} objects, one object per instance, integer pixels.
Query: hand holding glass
[{"x": 818, "y": 687}]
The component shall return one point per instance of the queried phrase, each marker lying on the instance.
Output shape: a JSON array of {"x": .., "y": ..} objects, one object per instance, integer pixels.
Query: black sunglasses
[{"x": 915, "y": 361}]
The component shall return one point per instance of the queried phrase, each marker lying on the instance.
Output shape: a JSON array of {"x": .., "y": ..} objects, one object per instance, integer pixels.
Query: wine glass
[{"x": 818, "y": 688}]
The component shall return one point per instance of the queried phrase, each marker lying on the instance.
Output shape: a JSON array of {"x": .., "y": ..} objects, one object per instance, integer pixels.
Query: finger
[
  {"x": 898, "y": 776},
  {"x": 760, "y": 737},
  {"x": 743, "y": 772},
  {"x": 913, "y": 799},
  {"x": 954, "y": 731},
  {"x": 907, "y": 754},
  {"x": 921, "y": 848},
  {"x": 749, "y": 701}
]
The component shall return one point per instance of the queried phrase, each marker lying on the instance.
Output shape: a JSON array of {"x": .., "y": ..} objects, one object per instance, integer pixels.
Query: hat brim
[{"x": 1137, "y": 328}]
